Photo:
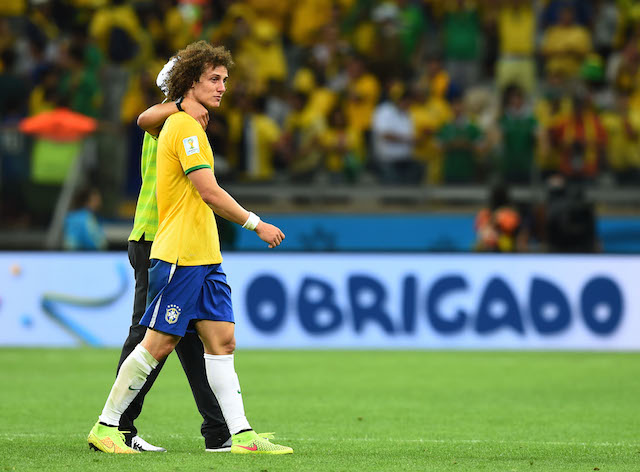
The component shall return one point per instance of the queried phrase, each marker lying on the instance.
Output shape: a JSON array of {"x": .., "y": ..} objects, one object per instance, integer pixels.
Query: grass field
[{"x": 343, "y": 411}]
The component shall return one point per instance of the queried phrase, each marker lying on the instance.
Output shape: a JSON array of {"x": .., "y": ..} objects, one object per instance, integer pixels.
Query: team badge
[{"x": 172, "y": 314}]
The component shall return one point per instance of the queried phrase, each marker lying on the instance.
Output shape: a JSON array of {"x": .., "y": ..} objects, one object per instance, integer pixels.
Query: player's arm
[
  {"x": 152, "y": 119},
  {"x": 226, "y": 206}
]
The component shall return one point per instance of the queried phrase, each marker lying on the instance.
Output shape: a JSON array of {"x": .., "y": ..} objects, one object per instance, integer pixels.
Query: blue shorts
[{"x": 179, "y": 296}]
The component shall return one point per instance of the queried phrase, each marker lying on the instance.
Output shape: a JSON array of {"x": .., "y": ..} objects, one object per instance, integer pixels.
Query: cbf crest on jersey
[{"x": 172, "y": 314}]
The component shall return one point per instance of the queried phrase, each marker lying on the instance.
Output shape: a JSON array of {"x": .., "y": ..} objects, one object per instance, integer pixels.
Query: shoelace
[{"x": 121, "y": 435}]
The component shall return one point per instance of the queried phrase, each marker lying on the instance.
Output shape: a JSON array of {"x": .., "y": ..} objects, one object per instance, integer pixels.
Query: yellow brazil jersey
[{"x": 187, "y": 233}]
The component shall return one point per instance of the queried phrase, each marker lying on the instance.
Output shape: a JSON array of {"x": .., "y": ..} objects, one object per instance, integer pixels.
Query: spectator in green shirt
[
  {"x": 462, "y": 40},
  {"x": 518, "y": 137},
  {"x": 461, "y": 142},
  {"x": 79, "y": 82}
]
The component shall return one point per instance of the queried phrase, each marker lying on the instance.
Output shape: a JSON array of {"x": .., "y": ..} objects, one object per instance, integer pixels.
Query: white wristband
[{"x": 251, "y": 222}]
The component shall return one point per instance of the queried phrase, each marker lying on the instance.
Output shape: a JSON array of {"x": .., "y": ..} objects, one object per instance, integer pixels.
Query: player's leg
[
  {"x": 156, "y": 346},
  {"x": 219, "y": 344},
  {"x": 175, "y": 287},
  {"x": 216, "y": 328},
  {"x": 139, "y": 259},
  {"x": 214, "y": 428}
]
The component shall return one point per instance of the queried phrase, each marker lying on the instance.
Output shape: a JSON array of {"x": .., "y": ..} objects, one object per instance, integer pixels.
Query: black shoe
[{"x": 211, "y": 446}]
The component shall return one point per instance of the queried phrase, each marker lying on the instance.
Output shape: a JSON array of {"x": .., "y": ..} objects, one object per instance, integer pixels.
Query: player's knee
[
  {"x": 229, "y": 346},
  {"x": 164, "y": 351},
  {"x": 159, "y": 347},
  {"x": 160, "y": 352}
]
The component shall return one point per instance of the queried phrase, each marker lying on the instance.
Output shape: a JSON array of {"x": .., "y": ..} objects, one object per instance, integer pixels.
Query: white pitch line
[{"x": 12, "y": 436}]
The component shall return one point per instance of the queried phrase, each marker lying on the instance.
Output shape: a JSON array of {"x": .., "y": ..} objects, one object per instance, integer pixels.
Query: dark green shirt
[
  {"x": 518, "y": 145},
  {"x": 462, "y": 35},
  {"x": 459, "y": 161}
]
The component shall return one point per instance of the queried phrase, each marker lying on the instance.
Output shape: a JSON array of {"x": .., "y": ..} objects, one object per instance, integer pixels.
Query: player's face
[{"x": 211, "y": 86}]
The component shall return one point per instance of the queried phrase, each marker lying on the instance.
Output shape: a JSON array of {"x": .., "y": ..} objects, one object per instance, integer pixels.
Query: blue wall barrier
[
  {"x": 369, "y": 233},
  {"x": 414, "y": 232},
  {"x": 352, "y": 301}
]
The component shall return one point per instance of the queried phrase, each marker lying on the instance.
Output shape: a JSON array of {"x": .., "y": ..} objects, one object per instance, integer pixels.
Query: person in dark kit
[{"x": 571, "y": 218}]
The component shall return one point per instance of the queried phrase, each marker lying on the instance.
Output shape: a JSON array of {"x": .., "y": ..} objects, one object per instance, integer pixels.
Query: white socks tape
[{"x": 130, "y": 380}]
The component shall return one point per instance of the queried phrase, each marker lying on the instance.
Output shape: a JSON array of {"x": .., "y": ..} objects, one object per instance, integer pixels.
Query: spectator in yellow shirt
[
  {"x": 253, "y": 137},
  {"x": 266, "y": 56},
  {"x": 328, "y": 55},
  {"x": 623, "y": 141},
  {"x": 552, "y": 108},
  {"x": 565, "y": 45},
  {"x": 43, "y": 96},
  {"x": 437, "y": 78},
  {"x": 429, "y": 114},
  {"x": 363, "y": 91},
  {"x": 276, "y": 13},
  {"x": 176, "y": 30},
  {"x": 257, "y": 46},
  {"x": 320, "y": 99},
  {"x": 117, "y": 31},
  {"x": 516, "y": 31},
  {"x": 343, "y": 148},
  {"x": 299, "y": 145},
  {"x": 308, "y": 18},
  {"x": 235, "y": 32}
]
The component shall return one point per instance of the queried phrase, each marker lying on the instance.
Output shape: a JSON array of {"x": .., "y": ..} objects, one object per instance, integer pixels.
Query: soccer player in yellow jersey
[
  {"x": 189, "y": 349},
  {"x": 187, "y": 286}
]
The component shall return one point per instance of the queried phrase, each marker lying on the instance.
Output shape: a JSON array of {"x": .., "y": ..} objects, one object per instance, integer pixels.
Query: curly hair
[{"x": 191, "y": 62}]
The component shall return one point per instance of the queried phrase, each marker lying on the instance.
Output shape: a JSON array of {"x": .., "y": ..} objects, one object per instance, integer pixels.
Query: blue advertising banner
[{"x": 350, "y": 301}]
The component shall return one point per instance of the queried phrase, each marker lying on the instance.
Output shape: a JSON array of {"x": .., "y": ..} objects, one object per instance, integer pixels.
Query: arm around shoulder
[{"x": 152, "y": 119}]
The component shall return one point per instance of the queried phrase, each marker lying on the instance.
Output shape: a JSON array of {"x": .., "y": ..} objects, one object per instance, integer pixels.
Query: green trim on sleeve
[{"x": 202, "y": 166}]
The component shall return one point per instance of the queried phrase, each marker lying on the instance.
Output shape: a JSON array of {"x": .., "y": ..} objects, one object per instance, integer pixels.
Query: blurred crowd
[{"x": 335, "y": 91}]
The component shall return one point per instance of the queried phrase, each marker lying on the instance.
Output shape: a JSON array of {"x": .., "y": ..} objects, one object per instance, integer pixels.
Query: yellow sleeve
[{"x": 189, "y": 143}]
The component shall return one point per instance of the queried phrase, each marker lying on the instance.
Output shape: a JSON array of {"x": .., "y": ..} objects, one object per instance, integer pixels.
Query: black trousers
[{"x": 189, "y": 350}]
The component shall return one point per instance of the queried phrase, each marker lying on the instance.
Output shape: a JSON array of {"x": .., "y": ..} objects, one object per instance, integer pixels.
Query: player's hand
[
  {"x": 197, "y": 111},
  {"x": 269, "y": 234}
]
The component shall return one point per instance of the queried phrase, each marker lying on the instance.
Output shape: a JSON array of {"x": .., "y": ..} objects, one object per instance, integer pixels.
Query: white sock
[
  {"x": 225, "y": 385},
  {"x": 131, "y": 378}
]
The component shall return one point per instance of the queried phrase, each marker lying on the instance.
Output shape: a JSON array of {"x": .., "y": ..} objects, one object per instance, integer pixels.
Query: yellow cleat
[
  {"x": 108, "y": 439},
  {"x": 251, "y": 442}
]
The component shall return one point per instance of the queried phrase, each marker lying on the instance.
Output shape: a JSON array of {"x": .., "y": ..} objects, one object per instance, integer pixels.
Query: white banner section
[{"x": 346, "y": 301}]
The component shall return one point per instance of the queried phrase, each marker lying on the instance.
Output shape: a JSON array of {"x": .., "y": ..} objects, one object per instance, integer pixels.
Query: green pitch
[{"x": 342, "y": 411}]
